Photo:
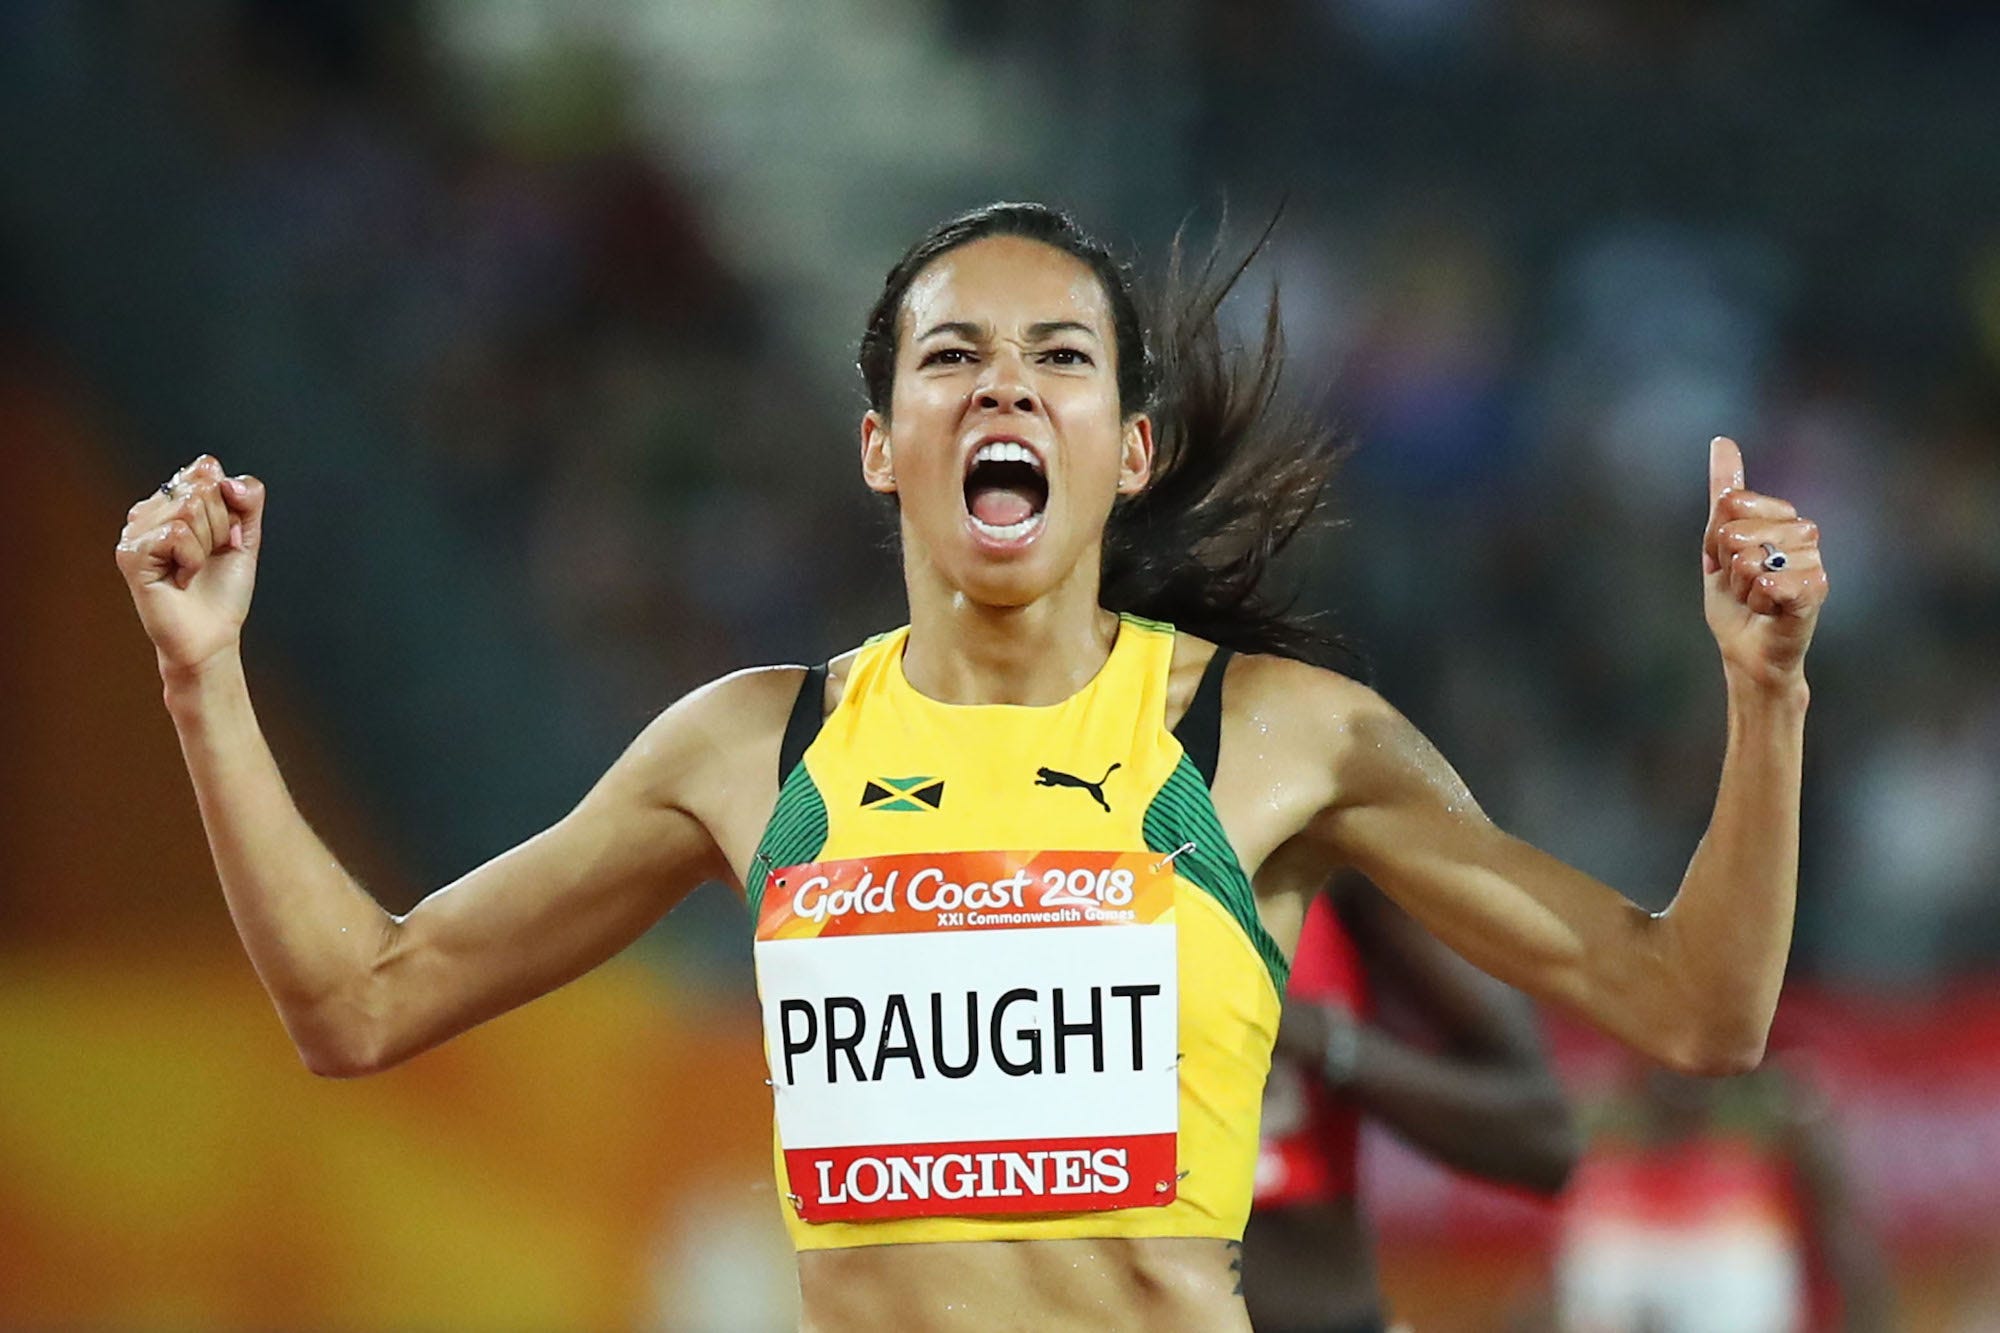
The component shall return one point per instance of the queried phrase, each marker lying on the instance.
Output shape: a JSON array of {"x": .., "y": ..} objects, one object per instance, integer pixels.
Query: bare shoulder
[
  {"x": 1338, "y": 740},
  {"x": 732, "y": 713},
  {"x": 711, "y": 756},
  {"x": 1287, "y": 682},
  {"x": 1289, "y": 734},
  {"x": 744, "y": 711},
  {"x": 1336, "y": 731},
  {"x": 1311, "y": 712},
  {"x": 1281, "y": 705},
  {"x": 707, "y": 750}
]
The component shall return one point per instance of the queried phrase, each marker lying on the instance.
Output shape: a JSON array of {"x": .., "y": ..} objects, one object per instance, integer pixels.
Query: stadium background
[{"x": 538, "y": 320}]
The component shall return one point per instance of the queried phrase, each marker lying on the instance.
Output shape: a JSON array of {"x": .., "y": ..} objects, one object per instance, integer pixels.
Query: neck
[{"x": 963, "y": 652}]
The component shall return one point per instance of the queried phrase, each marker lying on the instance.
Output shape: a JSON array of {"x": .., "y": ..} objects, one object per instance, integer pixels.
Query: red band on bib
[{"x": 859, "y": 1184}]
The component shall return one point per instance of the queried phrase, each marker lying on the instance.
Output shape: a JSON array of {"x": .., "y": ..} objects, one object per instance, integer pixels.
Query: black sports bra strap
[
  {"x": 1200, "y": 729},
  {"x": 808, "y": 712}
]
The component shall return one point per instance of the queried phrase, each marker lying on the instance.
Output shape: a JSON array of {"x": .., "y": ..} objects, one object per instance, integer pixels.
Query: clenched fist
[
  {"x": 1764, "y": 581},
  {"x": 189, "y": 557}
]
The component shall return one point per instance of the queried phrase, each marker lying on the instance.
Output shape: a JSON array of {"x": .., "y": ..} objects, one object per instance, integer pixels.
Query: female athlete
[{"x": 1023, "y": 873}]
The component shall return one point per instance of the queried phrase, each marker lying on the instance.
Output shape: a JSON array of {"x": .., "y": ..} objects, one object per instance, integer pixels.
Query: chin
[{"x": 1003, "y": 588}]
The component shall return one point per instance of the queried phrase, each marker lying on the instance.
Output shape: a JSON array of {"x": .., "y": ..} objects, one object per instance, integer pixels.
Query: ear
[
  {"x": 876, "y": 467},
  {"x": 1135, "y": 462}
]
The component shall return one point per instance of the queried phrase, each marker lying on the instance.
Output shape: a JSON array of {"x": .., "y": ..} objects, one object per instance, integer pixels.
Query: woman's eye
[
  {"x": 947, "y": 356},
  {"x": 1067, "y": 356}
]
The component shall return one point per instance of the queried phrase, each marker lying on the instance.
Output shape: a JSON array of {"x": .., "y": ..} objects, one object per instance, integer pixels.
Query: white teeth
[
  {"x": 1009, "y": 532},
  {"x": 1006, "y": 451}
]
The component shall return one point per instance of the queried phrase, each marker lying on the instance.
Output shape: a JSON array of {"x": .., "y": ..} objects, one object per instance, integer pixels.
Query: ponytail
[{"x": 1237, "y": 476}]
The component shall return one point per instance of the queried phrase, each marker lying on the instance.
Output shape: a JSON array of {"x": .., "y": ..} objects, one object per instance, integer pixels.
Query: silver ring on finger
[
  {"x": 1774, "y": 559},
  {"x": 167, "y": 487}
]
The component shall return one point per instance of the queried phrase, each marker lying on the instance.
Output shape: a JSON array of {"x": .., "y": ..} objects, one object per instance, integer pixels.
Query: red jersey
[
  {"x": 1703, "y": 1233},
  {"x": 1311, "y": 1135}
]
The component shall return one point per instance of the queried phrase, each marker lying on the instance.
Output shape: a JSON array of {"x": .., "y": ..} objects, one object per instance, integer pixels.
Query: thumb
[
  {"x": 1725, "y": 470},
  {"x": 1725, "y": 474}
]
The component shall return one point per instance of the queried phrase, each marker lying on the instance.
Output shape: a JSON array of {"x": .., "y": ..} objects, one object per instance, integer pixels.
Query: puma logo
[{"x": 1055, "y": 777}]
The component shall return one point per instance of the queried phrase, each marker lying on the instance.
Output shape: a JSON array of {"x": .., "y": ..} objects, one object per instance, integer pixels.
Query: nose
[
  {"x": 1005, "y": 388},
  {"x": 994, "y": 399}
]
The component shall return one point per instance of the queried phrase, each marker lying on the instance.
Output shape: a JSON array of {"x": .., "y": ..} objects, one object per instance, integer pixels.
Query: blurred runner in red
[{"x": 1708, "y": 1207}]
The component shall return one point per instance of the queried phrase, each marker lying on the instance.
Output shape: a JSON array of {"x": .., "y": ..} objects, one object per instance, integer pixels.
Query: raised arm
[
  {"x": 357, "y": 988},
  {"x": 1694, "y": 986},
  {"x": 1476, "y": 1092}
]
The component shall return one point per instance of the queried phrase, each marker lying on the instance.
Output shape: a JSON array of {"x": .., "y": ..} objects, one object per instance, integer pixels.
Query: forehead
[{"x": 1006, "y": 283}]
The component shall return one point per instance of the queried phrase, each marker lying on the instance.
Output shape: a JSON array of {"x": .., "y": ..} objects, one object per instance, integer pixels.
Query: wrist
[
  {"x": 1765, "y": 688},
  {"x": 187, "y": 686}
]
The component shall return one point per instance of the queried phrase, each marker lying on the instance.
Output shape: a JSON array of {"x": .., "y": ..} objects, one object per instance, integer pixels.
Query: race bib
[{"x": 972, "y": 1033}]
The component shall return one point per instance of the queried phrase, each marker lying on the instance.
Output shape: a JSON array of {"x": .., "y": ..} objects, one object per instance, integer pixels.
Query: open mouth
[{"x": 1006, "y": 491}]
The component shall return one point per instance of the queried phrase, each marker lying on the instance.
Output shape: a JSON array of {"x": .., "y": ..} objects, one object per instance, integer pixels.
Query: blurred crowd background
[{"x": 539, "y": 320}]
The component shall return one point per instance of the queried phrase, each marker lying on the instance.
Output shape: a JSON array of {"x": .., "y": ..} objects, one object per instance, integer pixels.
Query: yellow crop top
[{"x": 1013, "y": 981}]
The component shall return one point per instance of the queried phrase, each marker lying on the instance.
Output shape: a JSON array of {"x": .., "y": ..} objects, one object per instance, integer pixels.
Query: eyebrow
[{"x": 1040, "y": 331}]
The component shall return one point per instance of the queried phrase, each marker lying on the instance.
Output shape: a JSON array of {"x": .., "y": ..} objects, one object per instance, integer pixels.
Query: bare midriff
[{"x": 1155, "y": 1283}]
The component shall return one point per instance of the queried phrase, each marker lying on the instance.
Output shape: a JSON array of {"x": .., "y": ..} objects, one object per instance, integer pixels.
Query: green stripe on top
[
  {"x": 1182, "y": 813},
  {"x": 795, "y": 835},
  {"x": 1160, "y": 625}
]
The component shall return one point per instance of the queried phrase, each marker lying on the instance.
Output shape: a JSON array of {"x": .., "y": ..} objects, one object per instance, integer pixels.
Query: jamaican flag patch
[{"x": 902, "y": 794}]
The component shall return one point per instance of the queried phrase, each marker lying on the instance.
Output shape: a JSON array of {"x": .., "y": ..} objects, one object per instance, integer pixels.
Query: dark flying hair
[{"x": 1236, "y": 474}]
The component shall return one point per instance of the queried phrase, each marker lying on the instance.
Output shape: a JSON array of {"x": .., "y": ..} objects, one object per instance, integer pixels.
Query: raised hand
[
  {"x": 1764, "y": 580},
  {"x": 189, "y": 556}
]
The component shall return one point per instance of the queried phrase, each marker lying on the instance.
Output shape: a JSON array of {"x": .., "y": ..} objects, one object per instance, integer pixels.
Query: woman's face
[{"x": 1004, "y": 441}]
